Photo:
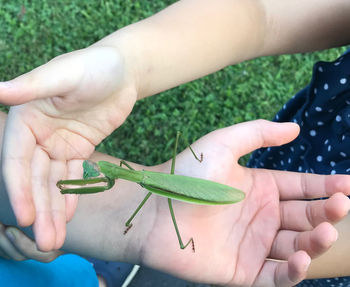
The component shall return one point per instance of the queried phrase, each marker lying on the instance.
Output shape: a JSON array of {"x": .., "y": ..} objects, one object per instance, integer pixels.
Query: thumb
[
  {"x": 54, "y": 78},
  {"x": 27, "y": 247},
  {"x": 249, "y": 136}
]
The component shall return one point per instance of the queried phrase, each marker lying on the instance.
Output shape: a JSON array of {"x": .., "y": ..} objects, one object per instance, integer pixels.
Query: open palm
[
  {"x": 234, "y": 242},
  {"x": 64, "y": 109}
]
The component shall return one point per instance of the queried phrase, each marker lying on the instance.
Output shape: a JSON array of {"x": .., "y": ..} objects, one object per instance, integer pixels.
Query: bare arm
[
  {"x": 336, "y": 261},
  {"x": 194, "y": 38}
]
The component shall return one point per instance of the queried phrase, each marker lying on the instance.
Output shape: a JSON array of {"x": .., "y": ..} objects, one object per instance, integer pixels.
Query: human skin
[
  {"x": 233, "y": 242},
  {"x": 79, "y": 98}
]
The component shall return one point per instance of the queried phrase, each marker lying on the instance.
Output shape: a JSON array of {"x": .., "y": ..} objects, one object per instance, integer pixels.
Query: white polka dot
[
  {"x": 261, "y": 164},
  {"x": 277, "y": 117},
  {"x": 281, "y": 152},
  {"x": 319, "y": 123},
  {"x": 337, "y": 63},
  {"x": 302, "y": 157},
  {"x": 326, "y": 141},
  {"x": 347, "y": 102},
  {"x": 302, "y": 147},
  {"x": 332, "y": 163},
  {"x": 306, "y": 114},
  {"x": 318, "y": 109},
  {"x": 330, "y": 110},
  {"x": 282, "y": 162},
  {"x": 292, "y": 149},
  {"x": 284, "y": 106},
  {"x": 338, "y": 118},
  {"x": 325, "y": 86},
  {"x": 329, "y": 148},
  {"x": 333, "y": 171},
  {"x": 343, "y": 154},
  {"x": 315, "y": 91},
  {"x": 320, "y": 69},
  {"x": 348, "y": 170},
  {"x": 300, "y": 168},
  {"x": 313, "y": 133},
  {"x": 312, "y": 171},
  {"x": 274, "y": 165},
  {"x": 289, "y": 160},
  {"x": 343, "y": 137},
  {"x": 343, "y": 81},
  {"x": 268, "y": 149},
  {"x": 319, "y": 158}
]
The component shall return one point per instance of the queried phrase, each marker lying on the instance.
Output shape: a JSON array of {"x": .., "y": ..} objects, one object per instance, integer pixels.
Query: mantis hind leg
[
  {"x": 128, "y": 224},
  {"x": 182, "y": 246}
]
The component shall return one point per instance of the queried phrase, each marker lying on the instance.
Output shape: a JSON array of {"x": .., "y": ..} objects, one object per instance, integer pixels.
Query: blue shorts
[
  {"x": 67, "y": 270},
  {"x": 322, "y": 111}
]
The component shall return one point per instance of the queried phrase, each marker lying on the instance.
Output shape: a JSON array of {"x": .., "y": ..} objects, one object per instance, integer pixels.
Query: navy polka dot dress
[{"x": 322, "y": 111}]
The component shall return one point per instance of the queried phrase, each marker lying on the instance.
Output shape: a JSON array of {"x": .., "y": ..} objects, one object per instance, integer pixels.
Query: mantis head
[{"x": 90, "y": 169}]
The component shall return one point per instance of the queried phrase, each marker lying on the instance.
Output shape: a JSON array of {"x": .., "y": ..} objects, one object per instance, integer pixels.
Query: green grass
[{"x": 33, "y": 32}]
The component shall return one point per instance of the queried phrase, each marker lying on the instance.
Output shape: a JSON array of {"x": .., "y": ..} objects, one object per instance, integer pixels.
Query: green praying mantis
[{"x": 184, "y": 188}]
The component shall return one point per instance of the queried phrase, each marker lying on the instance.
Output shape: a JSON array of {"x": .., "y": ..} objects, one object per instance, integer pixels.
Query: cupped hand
[
  {"x": 62, "y": 110},
  {"x": 269, "y": 238}
]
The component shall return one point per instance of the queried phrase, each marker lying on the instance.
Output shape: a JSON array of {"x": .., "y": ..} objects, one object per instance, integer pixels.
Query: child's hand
[
  {"x": 64, "y": 109},
  {"x": 15, "y": 245},
  {"x": 235, "y": 242}
]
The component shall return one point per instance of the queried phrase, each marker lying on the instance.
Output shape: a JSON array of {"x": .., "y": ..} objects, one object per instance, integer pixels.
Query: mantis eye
[{"x": 90, "y": 169}]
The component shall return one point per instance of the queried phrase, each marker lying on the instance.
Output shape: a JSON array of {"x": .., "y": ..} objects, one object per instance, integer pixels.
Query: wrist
[{"x": 124, "y": 44}]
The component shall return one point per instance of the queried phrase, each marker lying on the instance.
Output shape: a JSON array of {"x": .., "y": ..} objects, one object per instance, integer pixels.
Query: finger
[
  {"x": 7, "y": 250},
  {"x": 56, "y": 77},
  {"x": 44, "y": 228},
  {"x": 16, "y": 165},
  {"x": 249, "y": 136},
  {"x": 295, "y": 185},
  {"x": 58, "y": 204},
  {"x": 75, "y": 171},
  {"x": 284, "y": 274},
  {"x": 300, "y": 215},
  {"x": 27, "y": 247},
  {"x": 314, "y": 242}
]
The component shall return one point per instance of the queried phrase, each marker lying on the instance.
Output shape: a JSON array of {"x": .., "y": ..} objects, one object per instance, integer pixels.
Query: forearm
[
  {"x": 188, "y": 40},
  {"x": 192, "y": 38},
  {"x": 300, "y": 26}
]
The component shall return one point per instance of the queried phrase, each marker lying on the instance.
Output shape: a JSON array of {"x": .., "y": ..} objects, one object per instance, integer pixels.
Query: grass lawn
[{"x": 33, "y": 32}]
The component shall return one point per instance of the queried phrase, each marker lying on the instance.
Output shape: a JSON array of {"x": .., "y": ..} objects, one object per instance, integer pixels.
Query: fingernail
[
  {"x": 336, "y": 236},
  {"x": 307, "y": 265},
  {"x": 10, "y": 235}
]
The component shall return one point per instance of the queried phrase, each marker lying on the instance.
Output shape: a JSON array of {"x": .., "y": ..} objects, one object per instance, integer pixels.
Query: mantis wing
[{"x": 191, "y": 189}]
